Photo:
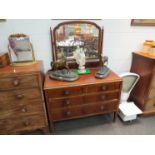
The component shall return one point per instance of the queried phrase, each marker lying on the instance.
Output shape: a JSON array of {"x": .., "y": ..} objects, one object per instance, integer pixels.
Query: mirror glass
[
  {"x": 69, "y": 36},
  {"x": 20, "y": 48}
]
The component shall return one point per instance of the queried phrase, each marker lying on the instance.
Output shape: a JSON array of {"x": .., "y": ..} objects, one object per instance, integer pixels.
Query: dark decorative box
[{"x": 4, "y": 59}]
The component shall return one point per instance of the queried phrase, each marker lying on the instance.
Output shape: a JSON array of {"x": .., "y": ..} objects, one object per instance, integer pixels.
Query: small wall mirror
[
  {"x": 67, "y": 36},
  {"x": 20, "y": 49}
]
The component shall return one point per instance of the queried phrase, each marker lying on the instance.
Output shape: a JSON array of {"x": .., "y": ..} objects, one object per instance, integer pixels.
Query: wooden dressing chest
[
  {"x": 22, "y": 106},
  {"x": 87, "y": 96}
]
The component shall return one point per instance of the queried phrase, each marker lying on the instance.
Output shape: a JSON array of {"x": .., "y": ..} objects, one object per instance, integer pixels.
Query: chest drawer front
[
  {"x": 64, "y": 92},
  {"x": 26, "y": 81},
  {"x": 102, "y": 87},
  {"x": 83, "y": 110},
  {"x": 101, "y": 97},
  {"x": 19, "y": 110},
  {"x": 13, "y": 125},
  {"x": 66, "y": 102},
  {"x": 23, "y": 95}
]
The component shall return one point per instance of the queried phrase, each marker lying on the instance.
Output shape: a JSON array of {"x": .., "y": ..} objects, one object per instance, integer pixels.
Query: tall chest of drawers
[
  {"x": 22, "y": 106},
  {"x": 87, "y": 96},
  {"x": 143, "y": 93}
]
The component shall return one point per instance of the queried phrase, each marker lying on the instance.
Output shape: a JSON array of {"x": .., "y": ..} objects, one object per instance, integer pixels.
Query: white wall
[{"x": 120, "y": 39}]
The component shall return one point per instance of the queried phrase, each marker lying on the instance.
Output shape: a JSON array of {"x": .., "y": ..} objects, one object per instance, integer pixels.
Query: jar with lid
[
  {"x": 147, "y": 45},
  {"x": 152, "y": 51}
]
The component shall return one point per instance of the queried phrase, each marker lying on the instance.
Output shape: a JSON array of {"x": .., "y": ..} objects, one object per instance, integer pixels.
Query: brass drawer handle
[
  {"x": 66, "y": 92},
  {"x": 103, "y": 97},
  {"x": 20, "y": 96},
  {"x": 67, "y": 102},
  {"x": 104, "y": 87},
  {"x": 26, "y": 123},
  {"x": 24, "y": 110},
  {"x": 102, "y": 107},
  {"x": 68, "y": 113},
  {"x": 16, "y": 82}
]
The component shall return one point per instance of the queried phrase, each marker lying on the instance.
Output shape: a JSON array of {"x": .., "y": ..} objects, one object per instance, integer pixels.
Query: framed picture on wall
[{"x": 143, "y": 22}]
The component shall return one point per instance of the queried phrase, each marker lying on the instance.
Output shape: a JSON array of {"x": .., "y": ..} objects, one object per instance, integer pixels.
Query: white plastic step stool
[{"x": 128, "y": 111}]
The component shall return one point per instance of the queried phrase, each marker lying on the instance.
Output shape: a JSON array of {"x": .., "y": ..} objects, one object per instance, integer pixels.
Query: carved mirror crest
[{"x": 67, "y": 36}]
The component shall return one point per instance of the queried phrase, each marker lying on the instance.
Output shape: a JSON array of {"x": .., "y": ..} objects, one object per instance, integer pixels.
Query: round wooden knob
[
  {"x": 104, "y": 87},
  {"x": 67, "y": 102},
  {"x": 24, "y": 109},
  {"x": 26, "y": 123},
  {"x": 68, "y": 113},
  {"x": 16, "y": 82},
  {"x": 66, "y": 92},
  {"x": 103, "y": 97},
  {"x": 102, "y": 107},
  {"x": 19, "y": 96}
]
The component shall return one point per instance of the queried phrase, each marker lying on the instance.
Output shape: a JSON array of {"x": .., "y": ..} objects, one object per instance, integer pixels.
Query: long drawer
[
  {"x": 16, "y": 82},
  {"x": 14, "y": 125},
  {"x": 21, "y": 95},
  {"x": 82, "y": 111},
  {"x": 81, "y": 90},
  {"x": 80, "y": 100},
  {"x": 19, "y": 110}
]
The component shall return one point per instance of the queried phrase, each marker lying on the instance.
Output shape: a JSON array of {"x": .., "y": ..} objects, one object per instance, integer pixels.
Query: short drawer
[
  {"x": 22, "y": 95},
  {"x": 101, "y": 97},
  {"x": 20, "y": 124},
  {"x": 64, "y": 92},
  {"x": 66, "y": 102},
  {"x": 102, "y": 87},
  {"x": 19, "y": 110},
  {"x": 26, "y": 81}
]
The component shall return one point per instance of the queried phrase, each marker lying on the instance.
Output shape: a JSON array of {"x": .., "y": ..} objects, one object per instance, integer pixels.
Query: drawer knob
[
  {"x": 16, "y": 82},
  {"x": 104, "y": 87},
  {"x": 19, "y": 96},
  {"x": 103, "y": 97},
  {"x": 68, "y": 113},
  {"x": 102, "y": 107},
  {"x": 26, "y": 123},
  {"x": 67, "y": 102},
  {"x": 66, "y": 92},
  {"x": 24, "y": 109}
]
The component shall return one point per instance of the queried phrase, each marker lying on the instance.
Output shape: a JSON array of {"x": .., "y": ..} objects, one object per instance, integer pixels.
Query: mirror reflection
[
  {"x": 69, "y": 37},
  {"x": 20, "y": 48}
]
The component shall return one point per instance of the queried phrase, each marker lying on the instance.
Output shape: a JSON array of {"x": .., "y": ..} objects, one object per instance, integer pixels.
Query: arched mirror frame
[{"x": 91, "y": 62}]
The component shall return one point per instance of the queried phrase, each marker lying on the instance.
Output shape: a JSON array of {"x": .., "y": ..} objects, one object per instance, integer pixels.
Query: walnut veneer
[
  {"x": 22, "y": 107},
  {"x": 143, "y": 93},
  {"x": 87, "y": 96}
]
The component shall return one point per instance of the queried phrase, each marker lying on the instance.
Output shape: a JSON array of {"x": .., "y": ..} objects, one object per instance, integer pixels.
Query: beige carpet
[{"x": 102, "y": 125}]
